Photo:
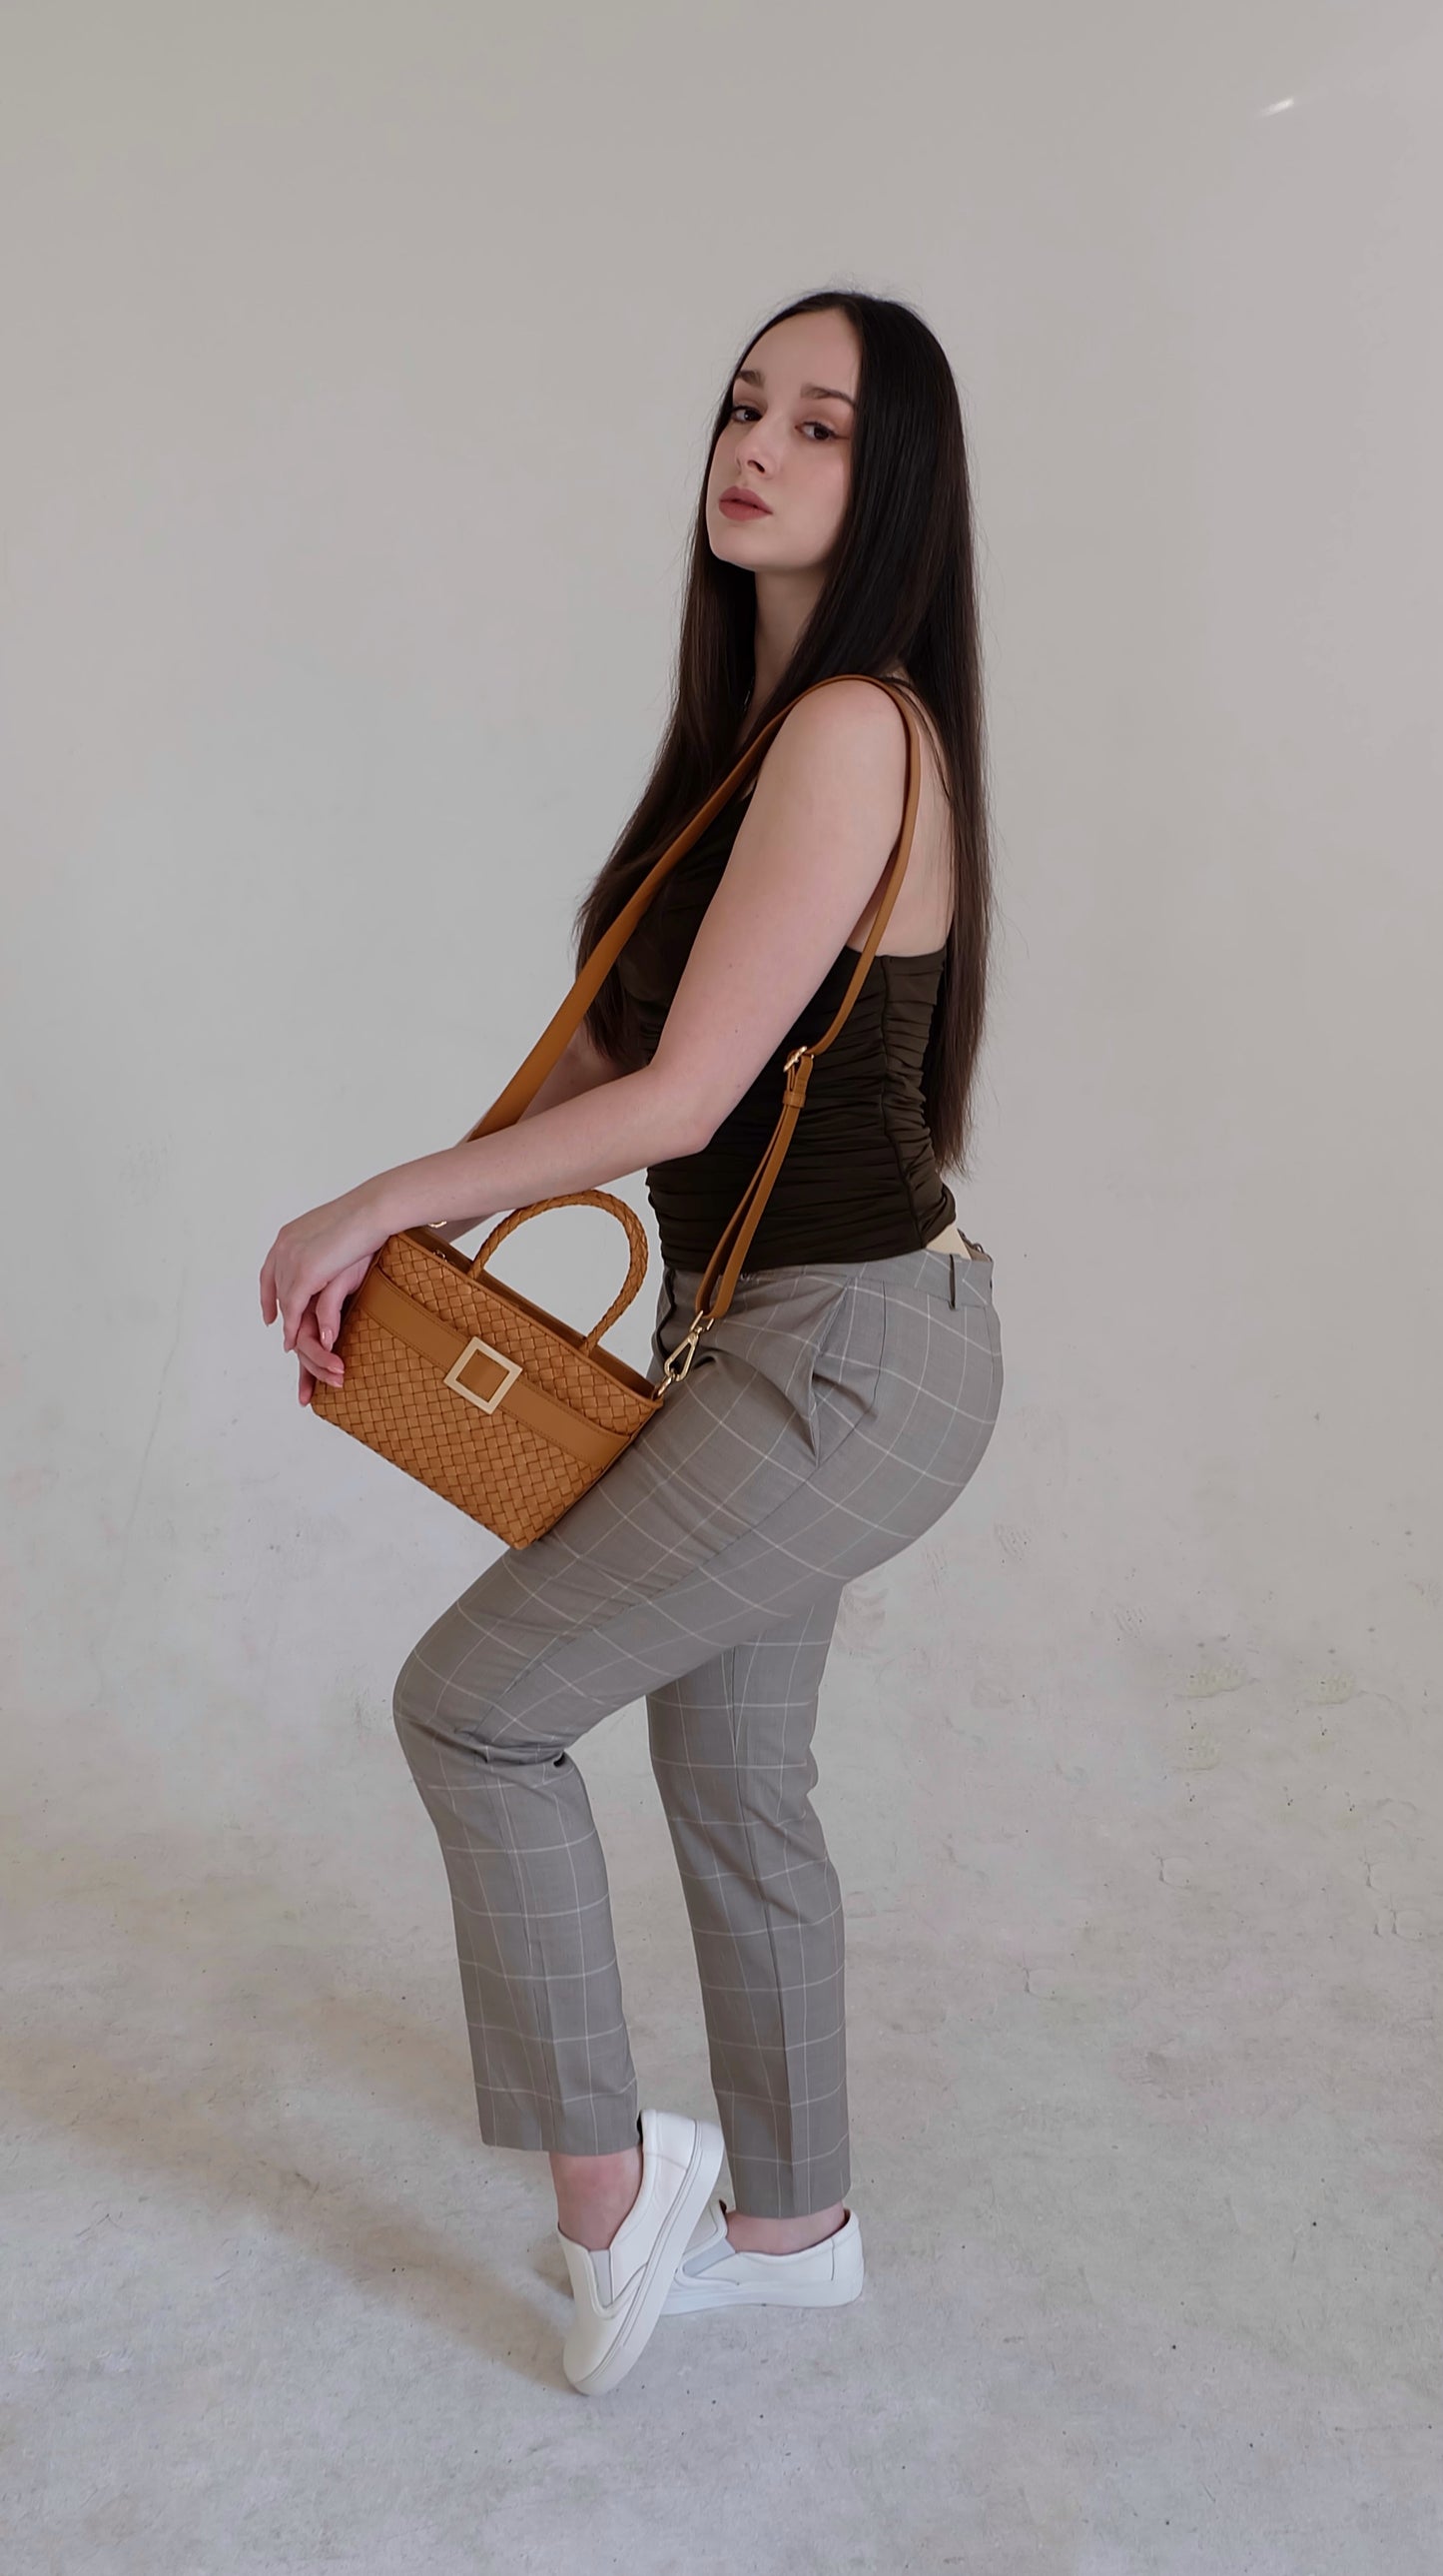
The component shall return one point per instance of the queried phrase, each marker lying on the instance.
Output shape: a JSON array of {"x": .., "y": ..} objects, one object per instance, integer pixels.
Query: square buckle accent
[{"x": 483, "y": 1403}]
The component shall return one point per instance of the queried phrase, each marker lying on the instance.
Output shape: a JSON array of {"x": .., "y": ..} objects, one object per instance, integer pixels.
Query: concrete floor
[{"x": 1146, "y": 2151}]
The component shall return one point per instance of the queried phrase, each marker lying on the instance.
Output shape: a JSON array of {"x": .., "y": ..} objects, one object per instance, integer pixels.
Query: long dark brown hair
[{"x": 901, "y": 588}]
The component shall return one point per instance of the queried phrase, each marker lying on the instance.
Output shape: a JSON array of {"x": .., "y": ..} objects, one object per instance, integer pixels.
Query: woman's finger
[
  {"x": 313, "y": 1353},
  {"x": 314, "y": 1356},
  {"x": 313, "y": 1350},
  {"x": 328, "y": 1316},
  {"x": 294, "y": 1303},
  {"x": 332, "y": 1299}
]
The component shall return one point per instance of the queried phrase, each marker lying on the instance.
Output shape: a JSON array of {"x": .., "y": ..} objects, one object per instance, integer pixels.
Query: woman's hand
[{"x": 315, "y": 1263}]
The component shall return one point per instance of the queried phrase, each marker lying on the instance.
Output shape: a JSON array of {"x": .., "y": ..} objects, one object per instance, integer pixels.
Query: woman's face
[{"x": 789, "y": 442}]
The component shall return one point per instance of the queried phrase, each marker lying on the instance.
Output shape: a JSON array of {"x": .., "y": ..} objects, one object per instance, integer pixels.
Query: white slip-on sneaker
[
  {"x": 713, "y": 2274},
  {"x": 619, "y": 2288}
]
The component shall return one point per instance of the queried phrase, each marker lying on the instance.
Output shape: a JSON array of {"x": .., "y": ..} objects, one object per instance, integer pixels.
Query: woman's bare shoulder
[{"x": 847, "y": 718}]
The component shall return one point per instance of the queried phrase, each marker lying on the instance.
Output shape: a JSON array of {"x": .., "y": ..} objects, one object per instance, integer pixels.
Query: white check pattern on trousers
[{"x": 830, "y": 1417}]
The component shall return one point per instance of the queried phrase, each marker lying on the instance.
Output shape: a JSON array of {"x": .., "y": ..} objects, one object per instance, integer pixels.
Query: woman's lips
[{"x": 744, "y": 509}]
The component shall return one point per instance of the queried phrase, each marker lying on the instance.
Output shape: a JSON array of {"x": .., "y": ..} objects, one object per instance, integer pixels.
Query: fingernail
[{"x": 326, "y": 1338}]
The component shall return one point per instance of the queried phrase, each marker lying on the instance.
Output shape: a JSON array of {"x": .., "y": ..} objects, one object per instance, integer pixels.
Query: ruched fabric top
[{"x": 858, "y": 1181}]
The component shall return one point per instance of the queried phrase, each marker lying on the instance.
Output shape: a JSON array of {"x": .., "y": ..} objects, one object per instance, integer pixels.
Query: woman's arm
[
  {"x": 808, "y": 858},
  {"x": 599, "y": 1132},
  {"x": 579, "y": 1068}
]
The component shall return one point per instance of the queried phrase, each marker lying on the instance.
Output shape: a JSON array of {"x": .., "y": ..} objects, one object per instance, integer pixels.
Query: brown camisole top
[{"x": 858, "y": 1181}]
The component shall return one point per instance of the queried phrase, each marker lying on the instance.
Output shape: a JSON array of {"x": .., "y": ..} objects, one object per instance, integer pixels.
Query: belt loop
[{"x": 951, "y": 1278}]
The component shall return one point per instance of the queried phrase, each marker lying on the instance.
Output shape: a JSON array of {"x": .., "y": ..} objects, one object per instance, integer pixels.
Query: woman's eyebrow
[{"x": 824, "y": 393}]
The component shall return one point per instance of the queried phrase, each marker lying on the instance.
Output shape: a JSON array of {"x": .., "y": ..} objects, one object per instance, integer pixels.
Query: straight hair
[{"x": 901, "y": 588}]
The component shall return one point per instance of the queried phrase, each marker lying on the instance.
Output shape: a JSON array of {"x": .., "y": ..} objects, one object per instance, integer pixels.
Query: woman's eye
[{"x": 807, "y": 424}]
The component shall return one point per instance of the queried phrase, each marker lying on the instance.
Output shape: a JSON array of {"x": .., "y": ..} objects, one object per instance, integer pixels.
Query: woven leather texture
[{"x": 492, "y": 1467}]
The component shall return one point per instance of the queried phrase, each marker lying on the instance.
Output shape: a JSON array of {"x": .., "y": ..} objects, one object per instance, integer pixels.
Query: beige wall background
[{"x": 360, "y": 360}]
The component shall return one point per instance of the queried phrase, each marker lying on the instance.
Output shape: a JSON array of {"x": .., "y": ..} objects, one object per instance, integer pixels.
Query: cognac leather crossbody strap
[{"x": 556, "y": 1037}]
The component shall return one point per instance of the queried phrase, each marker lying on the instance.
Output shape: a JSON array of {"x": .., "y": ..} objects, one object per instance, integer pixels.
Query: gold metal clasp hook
[{"x": 670, "y": 1371}]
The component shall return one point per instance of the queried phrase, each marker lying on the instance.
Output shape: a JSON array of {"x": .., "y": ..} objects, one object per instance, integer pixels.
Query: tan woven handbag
[{"x": 494, "y": 1403}]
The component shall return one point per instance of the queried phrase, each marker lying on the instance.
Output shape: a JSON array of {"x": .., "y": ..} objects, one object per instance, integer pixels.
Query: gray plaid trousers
[{"x": 829, "y": 1418}]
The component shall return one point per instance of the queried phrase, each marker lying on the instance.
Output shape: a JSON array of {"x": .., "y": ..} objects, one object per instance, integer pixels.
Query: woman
[{"x": 832, "y": 1414}]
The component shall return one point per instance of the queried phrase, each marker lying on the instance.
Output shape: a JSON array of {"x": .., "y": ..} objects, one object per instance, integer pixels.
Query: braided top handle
[{"x": 724, "y": 1268}]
